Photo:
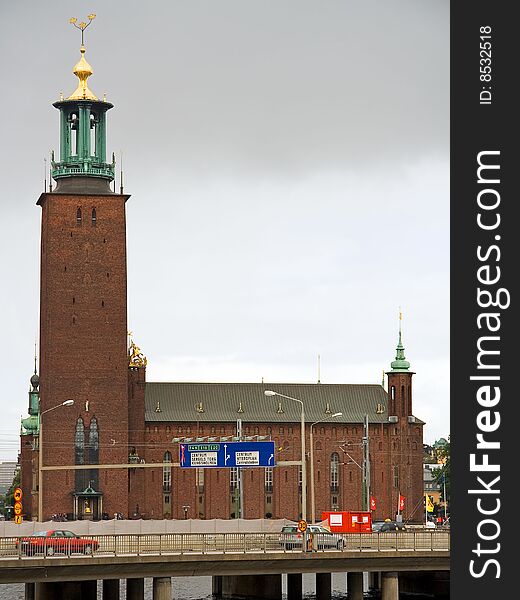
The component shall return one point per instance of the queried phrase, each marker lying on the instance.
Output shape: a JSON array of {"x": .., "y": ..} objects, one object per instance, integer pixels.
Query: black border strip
[{"x": 484, "y": 120}]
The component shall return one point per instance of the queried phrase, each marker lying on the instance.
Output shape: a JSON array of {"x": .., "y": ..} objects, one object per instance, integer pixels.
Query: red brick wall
[
  {"x": 136, "y": 439},
  {"x": 83, "y": 339},
  {"x": 391, "y": 444}
]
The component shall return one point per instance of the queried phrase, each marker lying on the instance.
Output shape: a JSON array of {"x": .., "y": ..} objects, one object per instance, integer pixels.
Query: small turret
[
  {"x": 30, "y": 423},
  {"x": 400, "y": 381}
]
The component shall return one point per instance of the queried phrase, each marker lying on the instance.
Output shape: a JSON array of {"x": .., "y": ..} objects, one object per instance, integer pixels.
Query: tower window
[
  {"x": 268, "y": 481},
  {"x": 94, "y": 216},
  {"x": 78, "y": 217},
  {"x": 396, "y": 476},
  {"x": 334, "y": 472},
  {"x": 167, "y": 473},
  {"x": 233, "y": 478}
]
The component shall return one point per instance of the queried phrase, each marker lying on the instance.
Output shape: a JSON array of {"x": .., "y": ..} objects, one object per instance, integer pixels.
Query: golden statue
[{"x": 135, "y": 357}]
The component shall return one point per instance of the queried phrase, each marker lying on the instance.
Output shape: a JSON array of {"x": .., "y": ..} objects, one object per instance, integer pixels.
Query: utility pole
[
  {"x": 366, "y": 466},
  {"x": 240, "y": 487}
]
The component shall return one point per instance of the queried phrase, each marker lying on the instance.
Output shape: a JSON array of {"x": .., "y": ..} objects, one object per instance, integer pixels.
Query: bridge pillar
[
  {"x": 252, "y": 587},
  {"x": 355, "y": 586},
  {"x": 110, "y": 589},
  {"x": 389, "y": 586},
  {"x": 323, "y": 586},
  {"x": 216, "y": 586},
  {"x": 66, "y": 590},
  {"x": 294, "y": 586},
  {"x": 135, "y": 589},
  {"x": 29, "y": 591},
  {"x": 162, "y": 588}
]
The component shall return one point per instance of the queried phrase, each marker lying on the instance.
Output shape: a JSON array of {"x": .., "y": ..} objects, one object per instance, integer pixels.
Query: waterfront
[
  {"x": 199, "y": 588},
  {"x": 195, "y": 588}
]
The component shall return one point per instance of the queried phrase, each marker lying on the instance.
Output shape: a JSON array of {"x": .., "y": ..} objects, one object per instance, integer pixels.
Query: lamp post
[
  {"x": 40, "y": 456},
  {"x": 313, "y": 507},
  {"x": 304, "y": 471}
]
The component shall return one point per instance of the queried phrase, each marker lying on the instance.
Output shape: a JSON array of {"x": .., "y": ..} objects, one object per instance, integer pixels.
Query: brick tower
[
  {"x": 83, "y": 317},
  {"x": 405, "y": 439}
]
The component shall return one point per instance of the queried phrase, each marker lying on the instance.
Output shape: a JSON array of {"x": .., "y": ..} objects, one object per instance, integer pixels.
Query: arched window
[
  {"x": 93, "y": 453},
  {"x": 93, "y": 122},
  {"x": 233, "y": 479},
  {"x": 79, "y": 454},
  {"x": 268, "y": 481},
  {"x": 94, "y": 216},
  {"x": 396, "y": 476},
  {"x": 200, "y": 480},
  {"x": 73, "y": 129},
  {"x": 334, "y": 472},
  {"x": 78, "y": 216},
  {"x": 167, "y": 473}
]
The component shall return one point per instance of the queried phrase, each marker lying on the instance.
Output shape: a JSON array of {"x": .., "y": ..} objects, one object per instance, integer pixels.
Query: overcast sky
[{"x": 288, "y": 165}]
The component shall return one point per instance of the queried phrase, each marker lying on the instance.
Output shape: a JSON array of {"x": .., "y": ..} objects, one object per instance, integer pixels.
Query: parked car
[
  {"x": 391, "y": 526},
  {"x": 291, "y": 538},
  {"x": 56, "y": 541}
]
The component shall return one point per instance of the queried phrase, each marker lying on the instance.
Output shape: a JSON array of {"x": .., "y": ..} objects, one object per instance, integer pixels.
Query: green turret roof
[{"x": 400, "y": 364}]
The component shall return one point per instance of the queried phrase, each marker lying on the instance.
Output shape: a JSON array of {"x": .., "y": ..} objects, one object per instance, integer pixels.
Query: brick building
[{"x": 120, "y": 419}]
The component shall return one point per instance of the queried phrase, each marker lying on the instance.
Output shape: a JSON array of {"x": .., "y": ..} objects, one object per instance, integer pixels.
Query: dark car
[
  {"x": 322, "y": 538},
  {"x": 391, "y": 526},
  {"x": 56, "y": 541}
]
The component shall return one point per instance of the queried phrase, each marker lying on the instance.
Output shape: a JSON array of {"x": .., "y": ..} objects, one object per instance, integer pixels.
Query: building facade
[{"x": 71, "y": 453}]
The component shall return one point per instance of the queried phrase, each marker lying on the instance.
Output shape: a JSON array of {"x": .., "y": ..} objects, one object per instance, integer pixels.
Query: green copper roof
[
  {"x": 227, "y": 402},
  {"x": 30, "y": 425},
  {"x": 400, "y": 364}
]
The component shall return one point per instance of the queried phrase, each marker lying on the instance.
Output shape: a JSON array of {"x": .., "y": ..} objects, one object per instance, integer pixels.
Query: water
[{"x": 199, "y": 588}]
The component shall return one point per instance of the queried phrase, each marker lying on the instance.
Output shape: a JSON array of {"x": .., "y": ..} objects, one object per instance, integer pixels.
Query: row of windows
[
  {"x": 268, "y": 475},
  {"x": 79, "y": 216}
]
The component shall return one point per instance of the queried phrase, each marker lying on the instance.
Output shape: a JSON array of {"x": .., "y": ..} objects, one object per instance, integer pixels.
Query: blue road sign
[{"x": 227, "y": 454}]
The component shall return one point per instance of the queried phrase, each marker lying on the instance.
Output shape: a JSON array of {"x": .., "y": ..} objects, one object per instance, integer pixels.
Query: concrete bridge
[{"x": 242, "y": 565}]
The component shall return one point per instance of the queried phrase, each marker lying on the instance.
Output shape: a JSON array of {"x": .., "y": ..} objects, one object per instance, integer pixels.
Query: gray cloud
[{"x": 288, "y": 163}]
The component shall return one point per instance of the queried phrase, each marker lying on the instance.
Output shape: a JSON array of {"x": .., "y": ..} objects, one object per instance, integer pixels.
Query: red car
[{"x": 56, "y": 541}]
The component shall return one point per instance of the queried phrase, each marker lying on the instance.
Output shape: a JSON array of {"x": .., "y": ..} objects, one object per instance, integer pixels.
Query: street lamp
[
  {"x": 313, "y": 508},
  {"x": 40, "y": 456},
  {"x": 304, "y": 472}
]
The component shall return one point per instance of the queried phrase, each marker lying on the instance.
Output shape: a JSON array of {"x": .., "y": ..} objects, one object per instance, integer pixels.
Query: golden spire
[{"x": 82, "y": 69}]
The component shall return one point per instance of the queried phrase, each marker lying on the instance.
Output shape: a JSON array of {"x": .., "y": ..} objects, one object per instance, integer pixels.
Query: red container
[{"x": 352, "y": 521}]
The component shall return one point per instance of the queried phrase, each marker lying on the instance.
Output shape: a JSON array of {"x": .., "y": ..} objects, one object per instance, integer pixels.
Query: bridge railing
[{"x": 220, "y": 543}]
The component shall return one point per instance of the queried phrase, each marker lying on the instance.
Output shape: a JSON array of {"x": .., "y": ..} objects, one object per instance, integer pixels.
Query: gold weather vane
[
  {"x": 82, "y": 69},
  {"x": 82, "y": 26}
]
